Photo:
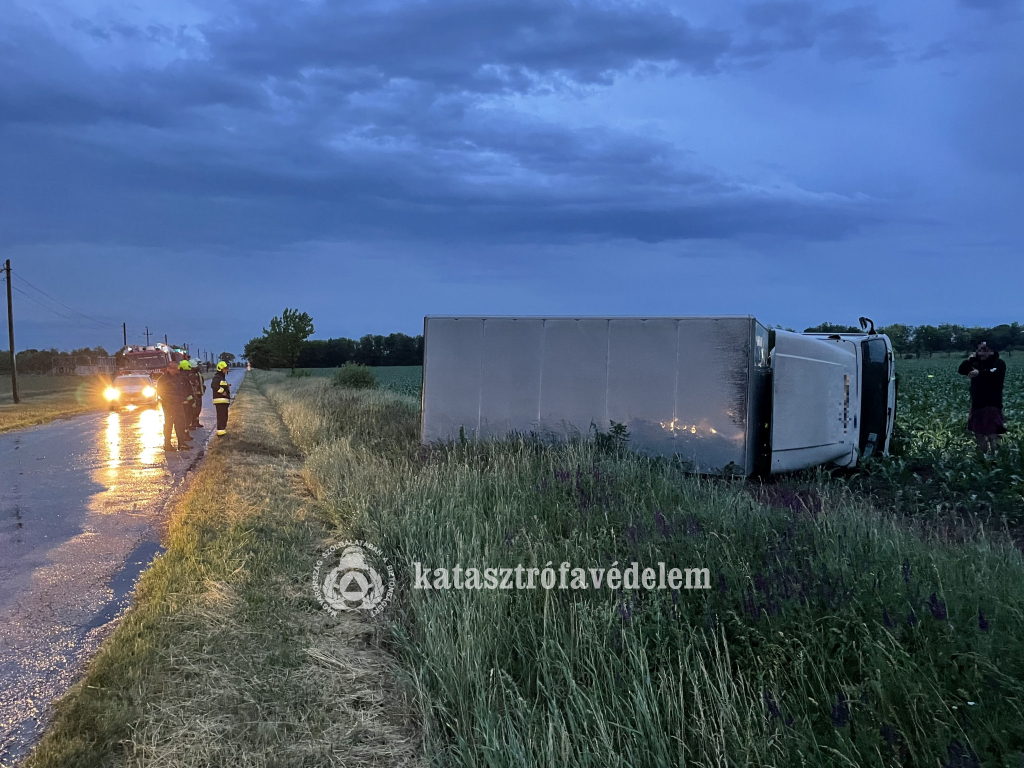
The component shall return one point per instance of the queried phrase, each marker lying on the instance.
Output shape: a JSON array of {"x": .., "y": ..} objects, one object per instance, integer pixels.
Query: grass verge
[
  {"x": 225, "y": 659},
  {"x": 834, "y": 634},
  {"x": 47, "y": 398}
]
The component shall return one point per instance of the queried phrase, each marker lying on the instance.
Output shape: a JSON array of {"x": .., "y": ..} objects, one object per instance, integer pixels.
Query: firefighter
[
  {"x": 198, "y": 387},
  {"x": 221, "y": 396},
  {"x": 175, "y": 394}
]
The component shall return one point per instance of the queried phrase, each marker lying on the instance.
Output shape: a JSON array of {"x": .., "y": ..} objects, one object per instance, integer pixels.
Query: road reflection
[
  {"x": 81, "y": 506},
  {"x": 135, "y": 471}
]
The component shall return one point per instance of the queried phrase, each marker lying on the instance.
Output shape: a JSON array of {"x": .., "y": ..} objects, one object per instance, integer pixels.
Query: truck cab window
[{"x": 874, "y": 404}]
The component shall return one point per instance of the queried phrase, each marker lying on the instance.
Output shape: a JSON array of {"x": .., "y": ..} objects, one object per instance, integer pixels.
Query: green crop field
[
  {"x": 402, "y": 379},
  {"x": 935, "y": 470}
]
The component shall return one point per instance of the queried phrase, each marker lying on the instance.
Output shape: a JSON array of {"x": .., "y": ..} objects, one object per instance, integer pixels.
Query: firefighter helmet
[
  {"x": 184, "y": 365},
  {"x": 221, "y": 365}
]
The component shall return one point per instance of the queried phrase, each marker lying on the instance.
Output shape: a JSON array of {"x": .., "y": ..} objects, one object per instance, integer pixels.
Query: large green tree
[
  {"x": 257, "y": 352},
  {"x": 287, "y": 334}
]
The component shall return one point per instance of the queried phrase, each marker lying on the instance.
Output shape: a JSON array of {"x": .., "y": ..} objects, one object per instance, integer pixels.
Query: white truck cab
[{"x": 833, "y": 398}]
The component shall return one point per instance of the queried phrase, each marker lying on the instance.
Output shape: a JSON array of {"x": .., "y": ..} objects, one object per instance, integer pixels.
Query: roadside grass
[
  {"x": 833, "y": 634},
  {"x": 225, "y": 658},
  {"x": 46, "y": 398}
]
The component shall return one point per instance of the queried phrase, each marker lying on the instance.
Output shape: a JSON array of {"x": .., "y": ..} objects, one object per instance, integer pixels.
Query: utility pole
[
  {"x": 165, "y": 338},
  {"x": 124, "y": 331},
  {"x": 10, "y": 334},
  {"x": 147, "y": 335}
]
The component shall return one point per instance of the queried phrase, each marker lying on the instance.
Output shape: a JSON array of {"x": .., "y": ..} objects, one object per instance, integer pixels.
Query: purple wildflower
[
  {"x": 906, "y": 571},
  {"x": 912, "y": 619},
  {"x": 960, "y": 756},
  {"x": 750, "y": 605},
  {"x": 660, "y": 523},
  {"x": 937, "y": 607},
  {"x": 722, "y": 587},
  {"x": 840, "y": 712},
  {"x": 887, "y": 619},
  {"x": 982, "y": 621},
  {"x": 890, "y": 734},
  {"x": 626, "y": 611},
  {"x": 632, "y": 534},
  {"x": 773, "y": 708}
]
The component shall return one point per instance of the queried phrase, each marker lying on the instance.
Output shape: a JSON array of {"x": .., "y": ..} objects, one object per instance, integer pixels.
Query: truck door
[
  {"x": 811, "y": 408},
  {"x": 878, "y": 389}
]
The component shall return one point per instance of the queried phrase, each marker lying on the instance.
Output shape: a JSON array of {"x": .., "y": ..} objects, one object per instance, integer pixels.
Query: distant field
[
  {"x": 33, "y": 385},
  {"x": 403, "y": 379},
  {"x": 45, "y": 398}
]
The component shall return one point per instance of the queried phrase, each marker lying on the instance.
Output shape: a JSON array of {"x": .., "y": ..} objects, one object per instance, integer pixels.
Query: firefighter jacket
[
  {"x": 174, "y": 389},
  {"x": 195, "y": 379},
  {"x": 221, "y": 388}
]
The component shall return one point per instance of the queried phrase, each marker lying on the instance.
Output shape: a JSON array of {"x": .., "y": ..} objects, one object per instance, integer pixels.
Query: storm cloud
[
  {"x": 454, "y": 128},
  {"x": 290, "y": 121}
]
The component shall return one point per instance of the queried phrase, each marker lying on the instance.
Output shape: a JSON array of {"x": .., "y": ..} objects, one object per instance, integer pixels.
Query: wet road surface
[{"x": 81, "y": 505}]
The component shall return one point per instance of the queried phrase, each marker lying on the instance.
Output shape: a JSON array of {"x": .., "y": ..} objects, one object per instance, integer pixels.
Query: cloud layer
[{"x": 286, "y": 121}]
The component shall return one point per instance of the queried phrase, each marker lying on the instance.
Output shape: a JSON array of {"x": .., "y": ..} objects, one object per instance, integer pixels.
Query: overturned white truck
[{"x": 725, "y": 394}]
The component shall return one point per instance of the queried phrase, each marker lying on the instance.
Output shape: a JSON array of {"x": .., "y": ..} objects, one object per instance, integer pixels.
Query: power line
[
  {"x": 31, "y": 298},
  {"x": 58, "y": 301}
]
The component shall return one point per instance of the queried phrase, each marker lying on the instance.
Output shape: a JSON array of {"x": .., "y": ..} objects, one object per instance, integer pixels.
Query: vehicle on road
[
  {"x": 724, "y": 395},
  {"x": 135, "y": 389},
  {"x": 150, "y": 359}
]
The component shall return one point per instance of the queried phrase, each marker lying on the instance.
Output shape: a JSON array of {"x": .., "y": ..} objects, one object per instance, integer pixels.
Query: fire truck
[{"x": 148, "y": 359}]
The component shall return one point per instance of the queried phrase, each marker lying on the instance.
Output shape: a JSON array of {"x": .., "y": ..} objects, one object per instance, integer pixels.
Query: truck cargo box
[
  {"x": 685, "y": 386},
  {"x": 722, "y": 394}
]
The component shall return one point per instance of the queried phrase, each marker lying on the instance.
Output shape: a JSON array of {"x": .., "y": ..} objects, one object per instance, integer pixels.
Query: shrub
[{"x": 355, "y": 376}]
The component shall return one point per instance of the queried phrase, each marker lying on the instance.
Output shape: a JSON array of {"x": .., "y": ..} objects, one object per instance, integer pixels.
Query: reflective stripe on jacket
[{"x": 221, "y": 388}]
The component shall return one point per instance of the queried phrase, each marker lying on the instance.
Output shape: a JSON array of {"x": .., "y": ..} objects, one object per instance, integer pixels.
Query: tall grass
[{"x": 832, "y": 635}]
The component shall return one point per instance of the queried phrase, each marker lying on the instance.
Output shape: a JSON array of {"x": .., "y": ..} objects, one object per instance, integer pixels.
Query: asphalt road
[{"x": 81, "y": 507}]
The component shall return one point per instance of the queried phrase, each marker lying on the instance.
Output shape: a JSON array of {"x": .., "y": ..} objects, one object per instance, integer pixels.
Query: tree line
[
  {"x": 946, "y": 337},
  {"x": 286, "y": 344},
  {"x": 45, "y": 360}
]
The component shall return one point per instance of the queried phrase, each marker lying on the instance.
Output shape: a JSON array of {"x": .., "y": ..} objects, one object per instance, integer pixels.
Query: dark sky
[{"x": 198, "y": 166}]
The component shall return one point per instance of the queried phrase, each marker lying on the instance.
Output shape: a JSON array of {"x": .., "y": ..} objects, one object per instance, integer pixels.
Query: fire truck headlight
[
  {"x": 148, "y": 392},
  {"x": 111, "y": 394}
]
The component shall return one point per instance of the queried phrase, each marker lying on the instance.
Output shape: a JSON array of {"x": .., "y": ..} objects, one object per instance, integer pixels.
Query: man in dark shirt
[{"x": 987, "y": 373}]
